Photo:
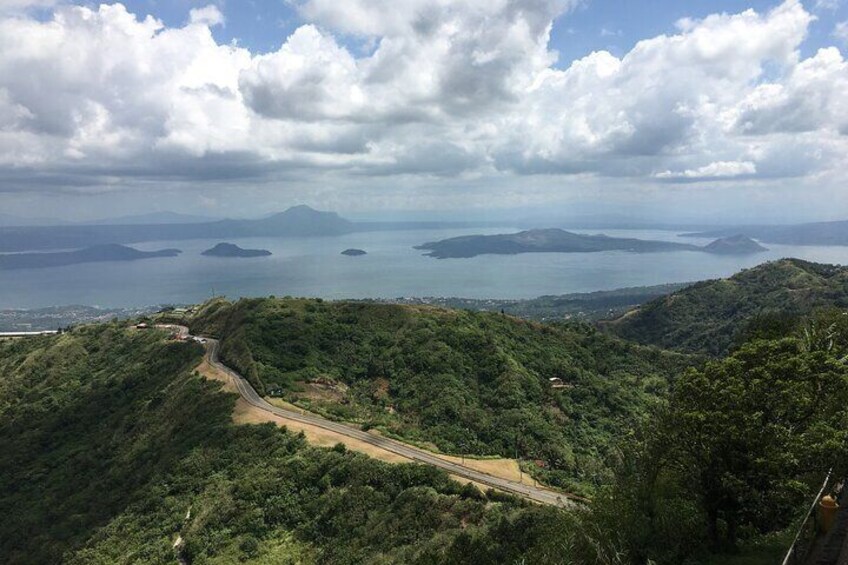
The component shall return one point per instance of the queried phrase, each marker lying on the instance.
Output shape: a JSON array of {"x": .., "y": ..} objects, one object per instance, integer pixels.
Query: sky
[{"x": 711, "y": 111}]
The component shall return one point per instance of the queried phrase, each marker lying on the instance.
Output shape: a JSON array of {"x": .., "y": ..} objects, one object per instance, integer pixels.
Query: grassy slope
[
  {"x": 108, "y": 440},
  {"x": 710, "y": 316},
  {"x": 464, "y": 381}
]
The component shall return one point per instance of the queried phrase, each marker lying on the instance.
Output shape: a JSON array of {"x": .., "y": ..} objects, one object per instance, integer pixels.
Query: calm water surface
[{"x": 314, "y": 267}]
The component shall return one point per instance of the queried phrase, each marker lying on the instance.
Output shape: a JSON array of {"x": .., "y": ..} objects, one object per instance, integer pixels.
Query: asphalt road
[{"x": 249, "y": 394}]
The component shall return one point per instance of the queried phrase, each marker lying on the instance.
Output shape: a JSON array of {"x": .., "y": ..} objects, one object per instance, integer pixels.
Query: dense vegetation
[
  {"x": 112, "y": 448},
  {"x": 715, "y": 316},
  {"x": 467, "y": 382},
  {"x": 737, "y": 451}
]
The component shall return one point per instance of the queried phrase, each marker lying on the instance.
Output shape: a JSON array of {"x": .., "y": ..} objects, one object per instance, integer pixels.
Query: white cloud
[
  {"x": 208, "y": 15},
  {"x": 829, "y": 5},
  {"x": 717, "y": 170},
  {"x": 667, "y": 97},
  {"x": 463, "y": 88},
  {"x": 433, "y": 60},
  {"x": 310, "y": 78},
  {"x": 811, "y": 97},
  {"x": 840, "y": 31}
]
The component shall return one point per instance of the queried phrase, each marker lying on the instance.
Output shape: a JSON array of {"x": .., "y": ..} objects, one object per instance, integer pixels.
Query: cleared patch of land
[{"x": 503, "y": 468}]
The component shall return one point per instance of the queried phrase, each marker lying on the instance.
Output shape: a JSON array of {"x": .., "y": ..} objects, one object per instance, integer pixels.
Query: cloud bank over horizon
[{"x": 463, "y": 93}]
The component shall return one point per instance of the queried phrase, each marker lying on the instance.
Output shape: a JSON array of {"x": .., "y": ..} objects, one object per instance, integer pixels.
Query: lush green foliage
[
  {"x": 467, "y": 382},
  {"x": 714, "y": 316},
  {"x": 112, "y": 448},
  {"x": 736, "y": 453},
  {"x": 82, "y": 427}
]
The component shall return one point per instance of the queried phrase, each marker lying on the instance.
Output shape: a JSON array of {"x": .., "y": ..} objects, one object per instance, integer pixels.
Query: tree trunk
[
  {"x": 712, "y": 527},
  {"x": 731, "y": 534}
]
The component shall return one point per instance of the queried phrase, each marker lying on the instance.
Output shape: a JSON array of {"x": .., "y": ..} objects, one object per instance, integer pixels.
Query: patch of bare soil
[{"x": 323, "y": 390}]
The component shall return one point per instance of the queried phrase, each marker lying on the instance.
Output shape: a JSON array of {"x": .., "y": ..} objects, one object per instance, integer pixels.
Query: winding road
[{"x": 249, "y": 394}]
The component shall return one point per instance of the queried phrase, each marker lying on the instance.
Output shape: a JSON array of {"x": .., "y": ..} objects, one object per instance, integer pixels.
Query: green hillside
[
  {"x": 713, "y": 316},
  {"x": 112, "y": 448},
  {"x": 463, "y": 382},
  {"x": 725, "y": 471}
]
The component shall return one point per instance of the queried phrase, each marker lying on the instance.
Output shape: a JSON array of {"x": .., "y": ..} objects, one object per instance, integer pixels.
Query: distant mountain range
[
  {"x": 560, "y": 241},
  {"x": 815, "y": 233},
  {"x": 296, "y": 221},
  {"x": 31, "y": 234},
  {"x": 9, "y": 220},
  {"x": 94, "y": 254}
]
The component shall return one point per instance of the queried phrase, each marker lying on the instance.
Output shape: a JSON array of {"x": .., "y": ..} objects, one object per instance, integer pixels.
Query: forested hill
[
  {"x": 464, "y": 382},
  {"x": 112, "y": 448},
  {"x": 712, "y": 316}
]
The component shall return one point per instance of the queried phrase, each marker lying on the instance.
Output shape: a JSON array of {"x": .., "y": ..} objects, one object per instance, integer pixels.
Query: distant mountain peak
[
  {"x": 303, "y": 209},
  {"x": 734, "y": 245},
  {"x": 308, "y": 221}
]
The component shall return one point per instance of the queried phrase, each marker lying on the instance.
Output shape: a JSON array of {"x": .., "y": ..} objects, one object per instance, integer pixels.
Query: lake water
[{"x": 314, "y": 267}]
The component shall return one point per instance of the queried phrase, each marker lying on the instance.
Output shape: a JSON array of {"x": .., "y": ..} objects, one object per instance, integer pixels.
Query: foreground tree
[
  {"x": 750, "y": 429},
  {"x": 735, "y": 452}
]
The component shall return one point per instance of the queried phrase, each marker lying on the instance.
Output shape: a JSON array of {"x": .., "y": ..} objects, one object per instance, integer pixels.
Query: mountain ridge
[
  {"x": 711, "y": 316},
  {"x": 293, "y": 222}
]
